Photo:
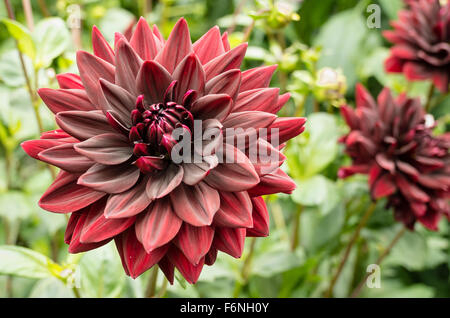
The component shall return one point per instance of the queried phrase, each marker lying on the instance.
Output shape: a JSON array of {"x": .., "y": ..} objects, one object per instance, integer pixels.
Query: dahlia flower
[
  {"x": 391, "y": 141},
  {"x": 421, "y": 39},
  {"x": 115, "y": 147}
]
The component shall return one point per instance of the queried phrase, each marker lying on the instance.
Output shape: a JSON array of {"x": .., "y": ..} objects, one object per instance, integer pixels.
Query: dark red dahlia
[
  {"x": 391, "y": 141},
  {"x": 421, "y": 39},
  {"x": 119, "y": 177}
]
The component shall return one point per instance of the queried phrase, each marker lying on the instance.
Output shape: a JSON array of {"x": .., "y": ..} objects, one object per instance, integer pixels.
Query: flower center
[{"x": 153, "y": 125}]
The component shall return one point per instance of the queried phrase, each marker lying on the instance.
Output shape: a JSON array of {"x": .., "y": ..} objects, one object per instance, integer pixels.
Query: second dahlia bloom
[
  {"x": 390, "y": 141},
  {"x": 421, "y": 39},
  {"x": 114, "y": 149}
]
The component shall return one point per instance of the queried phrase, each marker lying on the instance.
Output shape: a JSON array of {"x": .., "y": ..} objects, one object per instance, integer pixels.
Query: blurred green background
[{"x": 322, "y": 49}]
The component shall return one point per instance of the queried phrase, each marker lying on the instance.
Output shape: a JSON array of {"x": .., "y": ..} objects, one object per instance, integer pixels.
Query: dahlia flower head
[
  {"x": 391, "y": 141},
  {"x": 421, "y": 39},
  {"x": 118, "y": 177}
]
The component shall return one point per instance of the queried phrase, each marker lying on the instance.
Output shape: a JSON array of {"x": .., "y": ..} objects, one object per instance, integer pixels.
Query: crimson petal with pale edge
[
  {"x": 227, "y": 61},
  {"x": 163, "y": 182},
  {"x": 101, "y": 47},
  {"x": 97, "y": 228},
  {"x": 216, "y": 106},
  {"x": 83, "y": 125},
  {"x": 108, "y": 149},
  {"x": 64, "y": 195},
  {"x": 195, "y": 205},
  {"x": 128, "y": 64},
  {"x": 65, "y": 157},
  {"x": 60, "y": 100},
  {"x": 235, "y": 210},
  {"x": 189, "y": 271},
  {"x": 152, "y": 81},
  {"x": 110, "y": 179},
  {"x": 143, "y": 40},
  {"x": 260, "y": 217},
  {"x": 209, "y": 45},
  {"x": 230, "y": 241},
  {"x": 194, "y": 241},
  {"x": 158, "y": 225},
  {"x": 128, "y": 203}
]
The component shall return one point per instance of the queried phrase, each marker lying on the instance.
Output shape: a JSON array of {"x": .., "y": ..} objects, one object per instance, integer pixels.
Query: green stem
[
  {"x": 429, "y": 98},
  {"x": 151, "y": 287},
  {"x": 380, "y": 259},
  {"x": 295, "y": 233},
  {"x": 353, "y": 240},
  {"x": 76, "y": 293},
  {"x": 163, "y": 289},
  {"x": 246, "y": 267}
]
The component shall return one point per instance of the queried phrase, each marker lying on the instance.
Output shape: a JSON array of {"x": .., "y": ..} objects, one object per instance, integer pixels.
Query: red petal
[
  {"x": 108, "y": 149},
  {"x": 60, "y": 100},
  {"x": 143, "y": 40},
  {"x": 69, "y": 80},
  {"x": 128, "y": 203},
  {"x": 225, "y": 83},
  {"x": 363, "y": 97},
  {"x": 287, "y": 128},
  {"x": 110, "y": 179},
  {"x": 162, "y": 183},
  {"x": 235, "y": 210},
  {"x": 117, "y": 99},
  {"x": 158, "y": 226},
  {"x": 101, "y": 47},
  {"x": 83, "y": 125},
  {"x": 178, "y": 45},
  {"x": 134, "y": 258},
  {"x": 190, "y": 76},
  {"x": 65, "y": 157},
  {"x": 195, "y": 205},
  {"x": 260, "y": 218},
  {"x": 128, "y": 64},
  {"x": 383, "y": 187},
  {"x": 75, "y": 245},
  {"x": 189, "y": 271},
  {"x": 227, "y": 61},
  {"x": 152, "y": 81},
  {"x": 275, "y": 182},
  {"x": 209, "y": 45},
  {"x": 216, "y": 106},
  {"x": 230, "y": 241},
  {"x": 64, "y": 195},
  {"x": 258, "y": 77},
  {"x": 194, "y": 241}
]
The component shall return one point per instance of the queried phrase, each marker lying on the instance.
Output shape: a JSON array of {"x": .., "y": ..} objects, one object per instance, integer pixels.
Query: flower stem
[
  {"x": 76, "y": 293},
  {"x": 151, "y": 287},
  {"x": 380, "y": 259},
  {"x": 163, "y": 289},
  {"x": 353, "y": 240},
  {"x": 245, "y": 272},
  {"x": 296, "y": 229},
  {"x": 429, "y": 98}
]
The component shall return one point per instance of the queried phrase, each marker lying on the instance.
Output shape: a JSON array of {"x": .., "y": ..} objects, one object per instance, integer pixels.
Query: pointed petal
[
  {"x": 128, "y": 64},
  {"x": 117, "y": 99},
  {"x": 286, "y": 128},
  {"x": 162, "y": 183},
  {"x": 128, "y": 203},
  {"x": 363, "y": 97},
  {"x": 236, "y": 173},
  {"x": 189, "y": 271},
  {"x": 134, "y": 257},
  {"x": 227, "y": 61},
  {"x": 69, "y": 80},
  {"x": 260, "y": 99},
  {"x": 178, "y": 45},
  {"x": 216, "y": 106},
  {"x": 235, "y": 210},
  {"x": 101, "y": 47},
  {"x": 110, "y": 179},
  {"x": 83, "y": 125},
  {"x": 97, "y": 228},
  {"x": 91, "y": 69},
  {"x": 195, "y": 205},
  {"x": 66, "y": 158},
  {"x": 275, "y": 182},
  {"x": 167, "y": 268},
  {"x": 258, "y": 77},
  {"x": 153, "y": 81},
  {"x": 225, "y": 42},
  {"x": 209, "y": 45},
  {"x": 108, "y": 149},
  {"x": 383, "y": 187},
  {"x": 60, "y": 100},
  {"x": 230, "y": 241},
  {"x": 64, "y": 195},
  {"x": 158, "y": 226},
  {"x": 190, "y": 75},
  {"x": 196, "y": 172},
  {"x": 225, "y": 83},
  {"x": 143, "y": 40},
  {"x": 34, "y": 147},
  {"x": 194, "y": 241},
  {"x": 260, "y": 218}
]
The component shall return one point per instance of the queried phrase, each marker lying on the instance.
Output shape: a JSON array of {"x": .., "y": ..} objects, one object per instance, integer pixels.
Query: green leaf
[
  {"x": 275, "y": 262},
  {"x": 52, "y": 38},
  {"x": 391, "y": 7},
  {"x": 50, "y": 288},
  {"x": 23, "y": 36},
  {"x": 341, "y": 39},
  {"x": 11, "y": 72},
  {"x": 14, "y": 205},
  {"x": 316, "y": 148},
  {"x": 315, "y": 191},
  {"x": 23, "y": 262},
  {"x": 101, "y": 273}
]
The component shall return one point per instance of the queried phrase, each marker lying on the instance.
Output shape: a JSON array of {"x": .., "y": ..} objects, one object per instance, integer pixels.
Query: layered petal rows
[
  {"x": 421, "y": 39},
  {"x": 391, "y": 141},
  {"x": 118, "y": 177}
]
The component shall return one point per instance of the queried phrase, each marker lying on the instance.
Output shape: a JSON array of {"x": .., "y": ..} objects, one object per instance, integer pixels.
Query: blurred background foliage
[{"x": 322, "y": 48}]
